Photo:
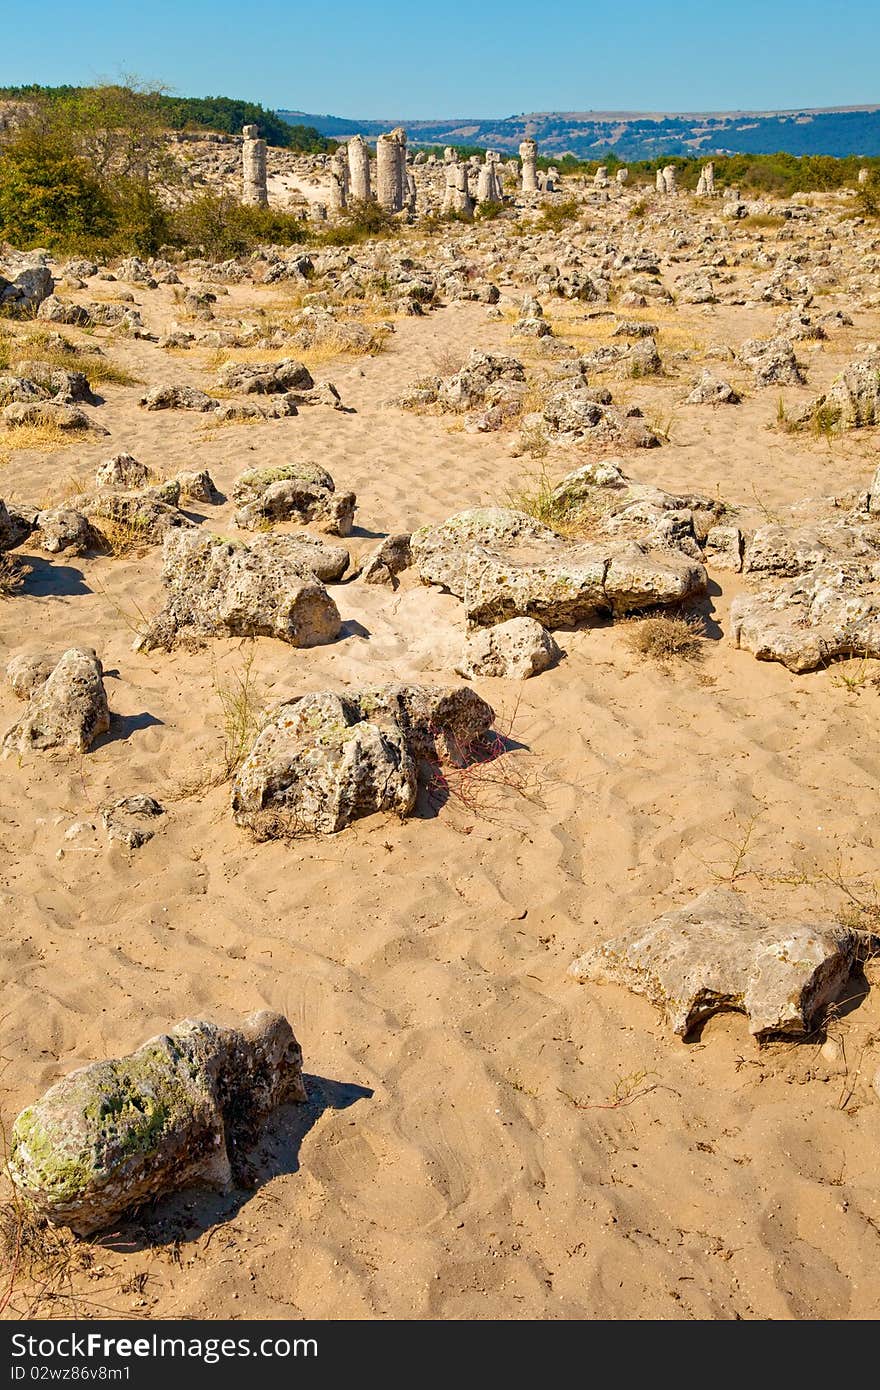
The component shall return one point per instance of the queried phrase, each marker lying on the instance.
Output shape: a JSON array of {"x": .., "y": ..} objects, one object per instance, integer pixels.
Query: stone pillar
[
  {"x": 488, "y": 182},
  {"x": 658, "y": 182},
  {"x": 528, "y": 153},
  {"x": 390, "y": 170},
  {"x": 463, "y": 202},
  {"x": 621, "y": 176},
  {"x": 451, "y": 180},
  {"x": 701, "y": 185},
  {"x": 358, "y": 169},
  {"x": 253, "y": 168},
  {"x": 337, "y": 197},
  {"x": 864, "y": 175},
  {"x": 669, "y": 178},
  {"x": 551, "y": 179}
]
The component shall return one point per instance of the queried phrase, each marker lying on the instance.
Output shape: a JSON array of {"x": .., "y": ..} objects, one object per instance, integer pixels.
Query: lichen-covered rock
[
  {"x": 788, "y": 548},
  {"x": 503, "y": 564},
  {"x": 132, "y": 820},
  {"x": 327, "y": 759},
  {"x": 146, "y": 515},
  {"x": 853, "y": 401},
  {"x": 296, "y": 491},
  {"x": 68, "y": 710},
  {"x": 716, "y": 953},
  {"x": 175, "y": 397},
  {"x": 831, "y": 611},
  {"x": 177, "y": 1112},
  {"x": 197, "y": 485},
  {"x": 216, "y": 588},
  {"x": 24, "y": 294},
  {"x": 517, "y": 649},
  {"x": 390, "y": 558},
  {"x": 266, "y": 378}
]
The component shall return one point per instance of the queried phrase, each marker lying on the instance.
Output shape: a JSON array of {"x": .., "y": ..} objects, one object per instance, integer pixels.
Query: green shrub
[{"x": 219, "y": 228}]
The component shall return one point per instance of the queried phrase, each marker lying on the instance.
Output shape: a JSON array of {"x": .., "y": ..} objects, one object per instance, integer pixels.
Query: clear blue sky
[{"x": 483, "y": 58}]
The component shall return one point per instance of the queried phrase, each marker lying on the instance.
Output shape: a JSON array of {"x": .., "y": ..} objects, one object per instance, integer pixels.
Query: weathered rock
[
  {"x": 50, "y": 414},
  {"x": 14, "y": 527},
  {"x": 516, "y": 649},
  {"x": 265, "y": 378},
  {"x": 390, "y": 558},
  {"x": 831, "y": 611},
  {"x": 772, "y": 361},
  {"x": 67, "y": 710},
  {"x": 55, "y": 310},
  {"x": 28, "y": 670},
  {"x": 145, "y": 514},
  {"x": 62, "y": 529},
  {"x": 178, "y": 398},
  {"x": 122, "y": 471},
  {"x": 297, "y": 491},
  {"x": 328, "y": 759},
  {"x": 133, "y": 820},
  {"x": 717, "y": 954},
  {"x": 264, "y": 589},
  {"x": 503, "y": 564},
  {"x": 723, "y": 548},
  {"x": 711, "y": 390},
  {"x": 25, "y": 293},
  {"x": 853, "y": 401},
  {"x": 177, "y": 1112},
  {"x": 197, "y": 486}
]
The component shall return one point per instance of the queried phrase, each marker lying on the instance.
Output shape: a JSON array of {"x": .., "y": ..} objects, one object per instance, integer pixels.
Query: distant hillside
[{"x": 638, "y": 135}]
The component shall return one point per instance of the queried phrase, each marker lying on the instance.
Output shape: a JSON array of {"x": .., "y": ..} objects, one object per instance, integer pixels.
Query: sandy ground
[{"x": 485, "y": 1138}]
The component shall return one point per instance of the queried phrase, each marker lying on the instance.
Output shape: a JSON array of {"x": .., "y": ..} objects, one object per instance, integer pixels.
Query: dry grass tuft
[
  {"x": 244, "y": 710},
  {"x": 46, "y": 438},
  {"x": 120, "y": 537},
  {"x": 666, "y": 639},
  {"x": 13, "y": 573},
  {"x": 537, "y": 497},
  {"x": 68, "y": 357}
]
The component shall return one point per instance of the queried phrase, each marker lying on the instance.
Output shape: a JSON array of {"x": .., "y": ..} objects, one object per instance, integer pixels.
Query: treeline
[
  {"x": 755, "y": 174},
  {"x": 224, "y": 114}
]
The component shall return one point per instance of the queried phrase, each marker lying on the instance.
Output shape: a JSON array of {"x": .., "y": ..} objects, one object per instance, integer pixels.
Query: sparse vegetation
[{"x": 665, "y": 638}]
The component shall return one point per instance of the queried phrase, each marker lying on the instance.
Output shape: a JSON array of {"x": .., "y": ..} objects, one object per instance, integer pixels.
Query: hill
[{"x": 638, "y": 135}]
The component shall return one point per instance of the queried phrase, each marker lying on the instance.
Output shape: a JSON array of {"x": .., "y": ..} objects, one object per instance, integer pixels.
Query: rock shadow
[{"x": 187, "y": 1215}]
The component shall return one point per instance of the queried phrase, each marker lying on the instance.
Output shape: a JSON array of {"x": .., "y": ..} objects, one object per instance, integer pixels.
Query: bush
[
  {"x": 219, "y": 228},
  {"x": 665, "y": 639},
  {"x": 49, "y": 197},
  {"x": 361, "y": 222}
]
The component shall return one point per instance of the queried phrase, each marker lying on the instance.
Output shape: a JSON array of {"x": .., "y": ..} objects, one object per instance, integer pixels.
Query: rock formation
[
  {"x": 528, "y": 153},
  {"x": 253, "y": 168},
  {"x": 359, "y": 169}
]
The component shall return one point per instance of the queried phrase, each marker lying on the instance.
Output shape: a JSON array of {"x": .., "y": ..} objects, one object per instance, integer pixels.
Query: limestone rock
[
  {"x": 116, "y": 1134},
  {"x": 390, "y": 558},
  {"x": 831, "y": 611},
  {"x": 772, "y": 361},
  {"x": 67, "y": 710},
  {"x": 62, "y": 529},
  {"x": 327, "y": 759},
  {"x": 177, "y": 397},
  {"x": 26, "y": 671},
  {"x": 216, "y": 588},
  {"x": 122, "y": 471},
  {"x": 132, "y": 819},
  {"x": 197, "y": 485},
  {"x": 711, "y": 390},
  {"x": 715, "y": 954},
  {"x": 50, "y": 414},
  {"x": 297, "y": 491},
  {"x": 14, "y": 527},
  {"x": 853, "y": 401},
  {"x": 265, "y": 378},
  {"x": 517, "y": 649},
  {"x": 503, "y": 564}
]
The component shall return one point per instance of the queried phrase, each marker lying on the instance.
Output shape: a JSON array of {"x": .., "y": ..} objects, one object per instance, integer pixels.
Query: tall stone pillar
[
  {"x": 669, "y": 179},
  {"x": 337, "y": 198},
  {"x": 253, "y": 168},
  {"x": 528, "y": 153},
  {"x": 358, "y": 169},
  {"x": 390, "y": 170}
]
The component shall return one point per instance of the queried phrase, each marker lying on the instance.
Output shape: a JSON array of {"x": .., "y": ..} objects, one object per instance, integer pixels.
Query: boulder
[
  {"x": 302, "y": 492},
  {"x": 504, "y": 564},
  {"x": 831, "y": 611},
  {"x": 176, "y": 397},
  {"x": 327, "y": 759},
  {"x": 26, "y": 671},
  {"x": 24, "y": 294},
  {"x": 14, "y": 527},
  {"x": 517, "y": 649},
  {"x": 67, "y": 710},
  {"x": 219, "y": 589},
  {"x": 177, "y": 1112},
  {"x": 711, "y": 390},
  {"x": 716, "y": 953},
  {"x": 853, "y": 401},
  {"x": 390, "y": 558},
  {"x": 62, "y": 529},
  {"x": 772, "y": 360},
  {"x": 50, "y": 415},
  {"x": 266, "y": 378},
  {"x": 123, "y": 471}
]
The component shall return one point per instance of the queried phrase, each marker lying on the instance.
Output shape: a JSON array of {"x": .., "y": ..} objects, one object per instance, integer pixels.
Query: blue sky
[{"x": 475, "y": 59}]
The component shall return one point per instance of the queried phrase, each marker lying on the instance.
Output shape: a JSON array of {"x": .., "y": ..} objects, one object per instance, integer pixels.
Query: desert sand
[{"x": 485, "y": 1137}]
